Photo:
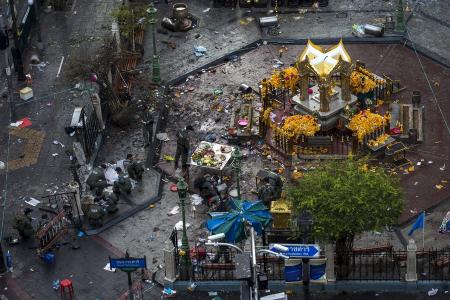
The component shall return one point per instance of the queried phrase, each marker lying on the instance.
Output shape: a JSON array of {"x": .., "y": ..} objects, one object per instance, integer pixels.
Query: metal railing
[{"x": 389, "y": 266}]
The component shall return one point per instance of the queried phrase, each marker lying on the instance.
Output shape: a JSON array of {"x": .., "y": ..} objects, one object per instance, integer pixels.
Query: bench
[
  {"x": 442, "y": 262},
  {"x": 317, "y": 141},
  {"x": 370, "y": 250}
]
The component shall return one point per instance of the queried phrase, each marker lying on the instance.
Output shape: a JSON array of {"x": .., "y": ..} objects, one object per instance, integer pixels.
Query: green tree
[
  {"x": 346, "y": 198},
  {"x": 130, "y": 18}
]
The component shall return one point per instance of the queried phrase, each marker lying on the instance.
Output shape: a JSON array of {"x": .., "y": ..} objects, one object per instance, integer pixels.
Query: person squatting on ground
[
  {"x": 134, "y": 169},
  {"x": 122, "y": 184},
  {"x": 96, "y": 180},
  {"x": 22, "y": 223}
]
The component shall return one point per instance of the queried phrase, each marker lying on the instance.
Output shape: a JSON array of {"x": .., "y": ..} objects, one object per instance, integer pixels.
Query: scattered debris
[
  {"x": 162, "y": 136},
  {"x": 108, "y": 268},
  {"x": 2, "y": 165},
  {"x": 168, "y": 293},
  {"x": 432, "y": 292},
  {"x": 439, "y": 186},
  {"x": 199, "y": 51},
  {"x": 196, "y": 199},
  {"x": 60, "y": 66},
  {"x": 206, "y": 10},
  {"x": 179, "y": 225},
  {"x": 33, "y": 201},
  {"x": 442, "y": 168},
  {"x": 40, "y": 66},
  {"x": 174, "y": 211},
  {"x": 58, "y": 143},
  {"x": 169, "y": 157}
]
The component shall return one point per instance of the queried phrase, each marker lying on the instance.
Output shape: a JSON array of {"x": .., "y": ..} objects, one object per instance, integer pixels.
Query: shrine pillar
[{"x": 324, "y": 96}]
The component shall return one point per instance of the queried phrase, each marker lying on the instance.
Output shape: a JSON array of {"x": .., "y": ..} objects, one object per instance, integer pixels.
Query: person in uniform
[
  {"x": 22, "y": 223},
  {"x": 147, "y": 126},
  {"x": 183, "y": 147},
  {"x": 134, "y": 169},
  {"x": 122, "y": 184},
  {"x": 96, "y": 180},
  {"x": 95, "y": 215}
]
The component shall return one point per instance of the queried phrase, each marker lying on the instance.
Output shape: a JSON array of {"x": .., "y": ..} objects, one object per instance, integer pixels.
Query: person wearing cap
[
  {"x": 183, "y": 147},
  {"x": 122, "y": 184},
  {"x": 22, "y": 223},
  {"x": 134, "y": 169},
  {"x": 97, "y": 180}
]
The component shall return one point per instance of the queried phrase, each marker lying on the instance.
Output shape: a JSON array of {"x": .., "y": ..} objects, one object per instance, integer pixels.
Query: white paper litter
[
  {"x": 179, "y": 225},
  {"x": 108, "y": 268},
  {"x": 174, "y": 211},
  {"x": 196, "y": 199},
  {"x": 16, "y": 124},
  {"x": 33, "y": 201},
  {"x": 206, "y": 10},
  {"x": 162, "y": 136},
  {"x": 432, "y": 292},
  {"x": 58, "y": 143}
]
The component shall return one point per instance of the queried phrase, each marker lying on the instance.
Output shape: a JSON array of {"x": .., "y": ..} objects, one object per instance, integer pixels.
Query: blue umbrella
[{"x": 232, "y": 223}]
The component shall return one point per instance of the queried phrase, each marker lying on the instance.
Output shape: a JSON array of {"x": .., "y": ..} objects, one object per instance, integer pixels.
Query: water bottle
[{"x": 9, "y": 263}]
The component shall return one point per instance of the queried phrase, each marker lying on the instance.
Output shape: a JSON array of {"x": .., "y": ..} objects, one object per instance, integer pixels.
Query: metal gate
[
  {"x": 51, "y": 232},
  {"x": 66, "y": 203},
  {"x": 87, "y": 134}
]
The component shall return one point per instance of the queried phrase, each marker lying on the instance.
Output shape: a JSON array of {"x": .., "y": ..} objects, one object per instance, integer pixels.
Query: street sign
[
  {"x": 299, "y": 250},
  {"x": 128, "y": 263}
]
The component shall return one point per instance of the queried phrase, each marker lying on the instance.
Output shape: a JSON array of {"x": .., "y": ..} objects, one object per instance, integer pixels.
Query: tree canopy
[{"x": 346, "y": 198}]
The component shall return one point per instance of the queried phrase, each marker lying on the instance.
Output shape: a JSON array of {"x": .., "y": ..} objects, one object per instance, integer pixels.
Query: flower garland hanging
[
  {"x": 287, "y": 78},
  {"x": 360, "y": 82},
  {"x": 365, "y": 123},
  {"x": 291, "y": 78},
  {"x": 298, "y": 125}
]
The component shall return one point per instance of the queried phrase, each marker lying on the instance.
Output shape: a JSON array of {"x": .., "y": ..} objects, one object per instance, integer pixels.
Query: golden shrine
[{"x": 324, "y": 106}]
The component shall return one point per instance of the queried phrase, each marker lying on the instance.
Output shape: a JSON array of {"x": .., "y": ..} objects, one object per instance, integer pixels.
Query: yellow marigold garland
[
  {"x": 361, "y": 83},
  {"x": 298, "y": 125},
  {"x": 365, "y": 123}
]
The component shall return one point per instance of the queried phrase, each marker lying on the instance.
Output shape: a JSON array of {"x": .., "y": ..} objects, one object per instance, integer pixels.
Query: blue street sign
[
  {"x": 128, "y": 263},
  {"x": 299, "y": 250}
]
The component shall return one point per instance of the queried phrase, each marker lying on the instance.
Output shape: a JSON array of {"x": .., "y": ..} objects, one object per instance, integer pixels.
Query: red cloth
[{"x": 25, "y": 123}]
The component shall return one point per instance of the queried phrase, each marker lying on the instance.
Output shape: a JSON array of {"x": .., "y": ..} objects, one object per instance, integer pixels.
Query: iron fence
[
  {"x": 212, "y": 264},
  {"x": 388, "y": 266},
  {"x": 433, "y": 265}
]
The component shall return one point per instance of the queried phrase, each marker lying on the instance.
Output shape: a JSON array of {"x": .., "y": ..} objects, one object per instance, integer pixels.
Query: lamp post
[
  {"x": 182, "y": 193},
  {"x": 156, "y": 76},
  {"x": 236, "y": 165},
  {"x": 400, "y": 23},
  {"x": 304, "y": 222}
]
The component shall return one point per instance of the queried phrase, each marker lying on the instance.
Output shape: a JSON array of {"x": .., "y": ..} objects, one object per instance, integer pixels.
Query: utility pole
[
  {"x": 6, "y": 47},
  {"x": 155, "y": 63},
  {"x": 16, "y": 51}
]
